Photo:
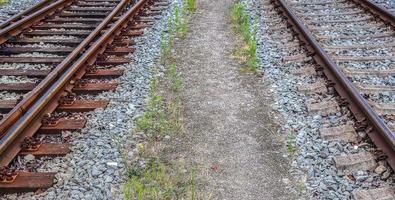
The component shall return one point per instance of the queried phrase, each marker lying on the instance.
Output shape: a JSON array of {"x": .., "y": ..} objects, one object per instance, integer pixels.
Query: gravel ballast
[
  {"x": 95, "y": 167},
  {"x": 314, "y": 157},
  {"x": 13, "y": 7}
]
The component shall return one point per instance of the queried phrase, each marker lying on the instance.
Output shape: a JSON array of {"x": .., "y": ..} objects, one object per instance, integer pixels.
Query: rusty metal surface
[
  {"x": 17, "y": 27},
  {"x": 7, "y": 105},
  {"x": 63, "y": 125},
  {"x": 19, "y": 120},
  {"x": 28, "y": 181},
  {"x": 54, "y": 50},
  {"x": 74, "y": 106},
  {"x": 97, "y": 73},
  {"x": 33, "y": 60},
  {"x": 45, "y": 89},
  {"x": 82, "y": 106},
  {"x": 22, "y": 41},
  {"x": 92, "y": 88},
  {"x": 49, "y": 149},
  {"x": 100, "y": 47},
  {"x": 26, "y": 12},
  {"x": 73, "y": 26},
  {"x": 368, "y": 120},
  {"x": 377, "y": 10},
  {"x": 37, "y": 33},
  {"x": 17, "y": 87}
]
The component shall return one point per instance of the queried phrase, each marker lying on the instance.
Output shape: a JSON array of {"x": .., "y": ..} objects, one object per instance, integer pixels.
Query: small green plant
[
  {"x": 3, "y": 1},
  {"x": 174, "y": 78},
  {"x": 160, "y": 117},
  {"x": 190, "y": 5},
  {"x": 153, "y": 120},
  {"x": 291, "y": 144},
  {"x": 193, "y": 184},
  {"x": 158, "y": 180},
  {"x": 301, "y": 188},
  {"x": 166, "y": 46},
  {"x": 242, "y": 23},
  {"x": 180, "y": 23},
  {"x": 177, "y": 26}
]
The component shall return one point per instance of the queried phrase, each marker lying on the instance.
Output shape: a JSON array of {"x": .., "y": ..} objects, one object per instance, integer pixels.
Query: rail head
[
  {"x": 15, "y": 28},
  {"x": 25, "y": 13},
  {"x": 380, "y": 134},
  {"x": 378, "y": 10},
  {"x": 30, "y": 108}
]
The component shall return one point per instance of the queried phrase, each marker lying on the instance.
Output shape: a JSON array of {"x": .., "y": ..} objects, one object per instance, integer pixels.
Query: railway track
[
  {"x": 350, "y": 44},
  {"x": 57, "y": 55},
  {"x": 389, "y": 5},
  {"x": 54, "y": 57}
]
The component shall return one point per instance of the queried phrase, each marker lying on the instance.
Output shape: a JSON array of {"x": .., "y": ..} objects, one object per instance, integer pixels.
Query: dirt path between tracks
[{"x": 231, "y": 133}]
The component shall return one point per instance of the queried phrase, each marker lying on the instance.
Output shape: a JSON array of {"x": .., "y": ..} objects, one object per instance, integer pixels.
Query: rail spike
[
  {"x": 68, "y": 98},
  {"x": 7, "y": 175},
  {"x": 31, "y": 144},
  {"x": 50, "y": 120}
]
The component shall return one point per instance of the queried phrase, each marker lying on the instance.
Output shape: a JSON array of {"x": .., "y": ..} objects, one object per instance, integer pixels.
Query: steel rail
[
  {"x": 379, "y": 132},
  {"x": 376, "y": 9},
  {"x": 30, "y": 109},
  {"x": 24, "y": 13},
  {"x": 17, "y": 27},
  {"x": 19, "y": 118}
]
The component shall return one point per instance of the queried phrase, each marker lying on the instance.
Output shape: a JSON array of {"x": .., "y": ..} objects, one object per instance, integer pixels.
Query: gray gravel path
[{"x": 231, "y": 135}]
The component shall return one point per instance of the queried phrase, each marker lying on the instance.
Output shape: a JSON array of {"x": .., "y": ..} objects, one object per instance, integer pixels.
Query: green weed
[
  {"x": 174, "y": 79},
  {"x": 180, "y": 22},
  {"x": 4, "y": 1},
  {"x": 243, "y": 25},
  {"x": 177, "y": 26},
  {"x": 291, "y": 144},
  {"x": 190, "y": 5},
  {"x": 166, "y": 46},
  {"x": 161, "y": 117},
  {"x": 193, "y": 184},
  {"x": 158, "y": 180},
  {"x": 301, "y": 188}
]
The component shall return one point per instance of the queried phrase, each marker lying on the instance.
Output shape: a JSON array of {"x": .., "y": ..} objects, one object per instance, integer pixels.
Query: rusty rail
[
  {"x": 377, "y": 10},
  {"x": 368, "y": 120},
  {"x": 23, "y": 118},
  {"x": 26, "y": 12},
  {"x": 15, "y": 28}
]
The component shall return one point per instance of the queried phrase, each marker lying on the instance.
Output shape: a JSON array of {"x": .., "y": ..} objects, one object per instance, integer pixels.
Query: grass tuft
[
  {"x": 291, "y": 144},
  {"x": 166, "y": 47},
  {"x": 301, "y": 188},
  {"x": 4, "y": 1},
  {"x": 174, "y": 79},
  {"x": 178, "y": 27},
  {"x": 161, "y": 117},
  {"x": 190, "y": 5},
  {"x": 181, "y": 26},
  {"x": 159, "y": 180},
  {"x": 242, "y": 23}
]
